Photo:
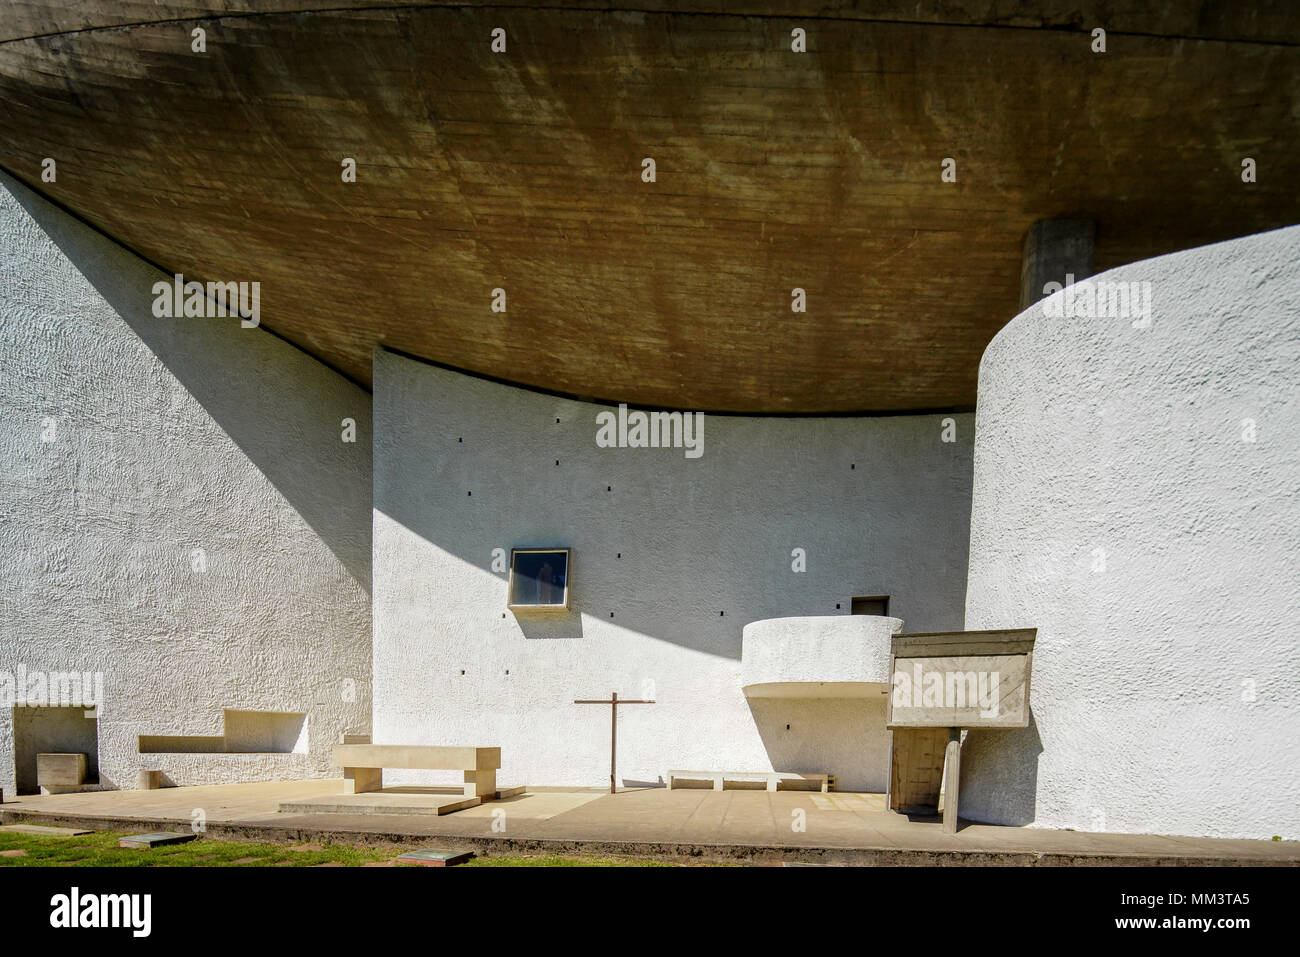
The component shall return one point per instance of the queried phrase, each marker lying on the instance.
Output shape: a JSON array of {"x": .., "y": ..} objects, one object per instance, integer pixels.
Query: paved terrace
[{"x": 742, "y": 825}]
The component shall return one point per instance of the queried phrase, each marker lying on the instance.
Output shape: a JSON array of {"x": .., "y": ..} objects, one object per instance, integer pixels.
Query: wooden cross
[{"x": 613, "y": 703}]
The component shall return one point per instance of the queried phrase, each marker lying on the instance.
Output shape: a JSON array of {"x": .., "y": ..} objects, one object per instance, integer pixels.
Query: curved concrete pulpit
[{"x": 835, "y": 656}]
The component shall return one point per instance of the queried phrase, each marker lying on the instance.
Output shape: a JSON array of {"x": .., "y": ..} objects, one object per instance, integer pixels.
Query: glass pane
[{"x": 539, "y": 578}]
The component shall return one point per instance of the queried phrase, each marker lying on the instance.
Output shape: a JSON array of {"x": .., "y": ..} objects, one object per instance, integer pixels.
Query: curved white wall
[
  {"x": 823, "y": 656},
  {"x": 672, "y": 557},
  {"x": 126, "y": 443},
  {"x": 1118, "y": 509}
]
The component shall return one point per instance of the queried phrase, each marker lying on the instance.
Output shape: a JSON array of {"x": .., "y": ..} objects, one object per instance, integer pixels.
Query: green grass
[{"x": 99, "y": 849}]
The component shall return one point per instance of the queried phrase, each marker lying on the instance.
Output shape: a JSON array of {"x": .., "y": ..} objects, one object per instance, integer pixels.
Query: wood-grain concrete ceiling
[{"x": 522, "y": 171}]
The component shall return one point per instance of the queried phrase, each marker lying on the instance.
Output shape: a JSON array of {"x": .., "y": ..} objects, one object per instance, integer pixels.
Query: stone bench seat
[
  {"x": 363, "y": 765},
  {"x": 770, "y": 778},
  {"x": 60, "y": 773}
]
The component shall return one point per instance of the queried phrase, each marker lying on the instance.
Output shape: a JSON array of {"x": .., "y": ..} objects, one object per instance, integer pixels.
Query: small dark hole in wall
[
  {"x": 837, "y": 606},
  {"x": 619, "y": 555},
  {"x": 507, "y": 671},
  {"x": 557, "y": 461},
  {"x": 460, "y": 438},
  {"x": 611, "y": 614},
  {"x": 462, "y": 670},
  {"x": 787, "y": 727},
  {"x": 853, "y": 465},
  {"x": 721, "y": 613},
  {"x": 503, "y": 614},
  {"x": 557, "y": 421},
  {"x": 469, "y": 493},
  {"x": 609, "y": 488}
]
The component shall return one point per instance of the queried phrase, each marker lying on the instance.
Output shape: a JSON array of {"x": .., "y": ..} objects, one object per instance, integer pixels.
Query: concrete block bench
[
  {"x": 60, "y": 773},
  {"x": 363, "y": 765},
  {"x": 770, "y": 778}
]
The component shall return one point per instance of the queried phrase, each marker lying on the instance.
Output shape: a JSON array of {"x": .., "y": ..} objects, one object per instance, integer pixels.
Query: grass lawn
[{"x": 99, "y": 849}]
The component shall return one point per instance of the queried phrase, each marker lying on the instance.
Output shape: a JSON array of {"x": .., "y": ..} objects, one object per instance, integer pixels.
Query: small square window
[
  {"x": 539, "y": 578},
  {"x": 874, "y": 605}
]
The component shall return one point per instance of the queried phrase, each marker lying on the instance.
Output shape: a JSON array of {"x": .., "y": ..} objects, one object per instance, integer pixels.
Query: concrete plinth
[{"x": 60, "y": 770}]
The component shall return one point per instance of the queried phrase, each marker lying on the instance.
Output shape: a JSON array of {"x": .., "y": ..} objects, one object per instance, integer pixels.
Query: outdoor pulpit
[{"x": 940, "y": 684}]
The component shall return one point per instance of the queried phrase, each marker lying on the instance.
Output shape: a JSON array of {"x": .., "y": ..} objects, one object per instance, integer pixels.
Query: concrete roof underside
[{"x": 775, "y": 170}]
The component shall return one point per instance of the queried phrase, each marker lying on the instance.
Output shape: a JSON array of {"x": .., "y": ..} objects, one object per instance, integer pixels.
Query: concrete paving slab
[
  {"x": 223, "y": 802},
  {"x": 432, "y": 857},
  {"x": 530, "y": 806},
  {"x": 155, "y": 839},
  {"x": 46, "y": 830}
]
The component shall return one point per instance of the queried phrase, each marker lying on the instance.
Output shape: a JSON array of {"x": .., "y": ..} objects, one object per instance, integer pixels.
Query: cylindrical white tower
[{"x": 1135, "y": 499}]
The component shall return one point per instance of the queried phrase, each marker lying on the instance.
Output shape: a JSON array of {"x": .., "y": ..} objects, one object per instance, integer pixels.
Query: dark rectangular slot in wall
[{"x": 873, "y": 605}]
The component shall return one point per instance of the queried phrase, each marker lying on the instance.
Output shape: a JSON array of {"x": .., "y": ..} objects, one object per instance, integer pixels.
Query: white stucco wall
[
  {"x": 682, "y": 552},
  {"x": 1118, "y": 509},
  {"x": 171, "y": 435}
]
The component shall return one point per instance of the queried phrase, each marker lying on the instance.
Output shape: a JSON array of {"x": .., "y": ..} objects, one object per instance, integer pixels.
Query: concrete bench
[
  {"x": 769, "y": 778},
  {"x": 363, "y": 765},
  {"x": 60, "y": 773}
]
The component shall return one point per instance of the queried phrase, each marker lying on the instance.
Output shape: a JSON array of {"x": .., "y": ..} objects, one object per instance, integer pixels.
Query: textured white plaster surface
[
  {"x": 672, "y": 557},
  {"x": 821, "y": 656},
  {"x": 1117, "y": 509},
  {"x": 172, "y": 435}
]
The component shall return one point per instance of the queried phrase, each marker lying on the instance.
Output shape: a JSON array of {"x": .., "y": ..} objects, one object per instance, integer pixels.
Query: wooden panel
[
  {"x": 916, "y": 769},
  {"x": 941, "y": 643}
]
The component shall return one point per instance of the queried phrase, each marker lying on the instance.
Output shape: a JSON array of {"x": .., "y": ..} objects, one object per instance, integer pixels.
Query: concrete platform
[
  {"x": 741, "y": 826},
  {"x": 399, "y": 800},
  {"x": 395, "y": 800}
]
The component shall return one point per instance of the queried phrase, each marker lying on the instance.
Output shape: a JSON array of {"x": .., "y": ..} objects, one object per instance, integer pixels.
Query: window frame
[{"x": 568, "y": 577}]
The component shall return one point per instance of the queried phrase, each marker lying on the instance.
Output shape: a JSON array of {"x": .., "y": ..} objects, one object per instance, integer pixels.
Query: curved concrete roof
[{"x": 775, "y": 170}]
